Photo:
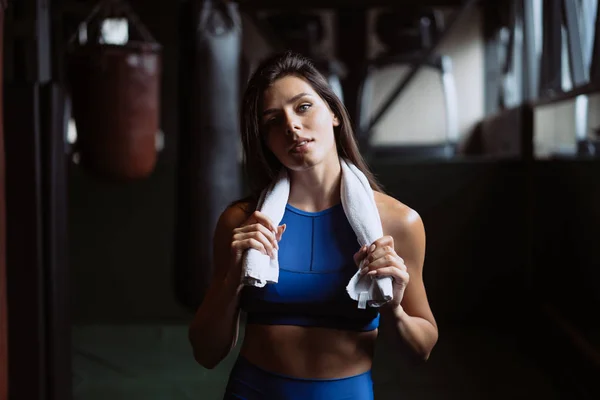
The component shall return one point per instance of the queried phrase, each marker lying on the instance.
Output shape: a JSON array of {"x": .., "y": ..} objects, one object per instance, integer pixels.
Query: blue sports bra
[{"x": 315, "y": 265}]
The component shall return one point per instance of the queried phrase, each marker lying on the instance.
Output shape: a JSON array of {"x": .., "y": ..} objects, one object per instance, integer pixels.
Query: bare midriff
[{"x": 309, "y": 352}]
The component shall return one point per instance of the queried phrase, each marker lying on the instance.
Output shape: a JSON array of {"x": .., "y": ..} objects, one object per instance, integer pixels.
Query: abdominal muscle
[{"x": 309, "y": 352}]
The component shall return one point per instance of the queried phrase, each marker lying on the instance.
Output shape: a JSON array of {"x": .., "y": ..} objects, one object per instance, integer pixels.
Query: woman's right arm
[{"x": 214, "y": 329}]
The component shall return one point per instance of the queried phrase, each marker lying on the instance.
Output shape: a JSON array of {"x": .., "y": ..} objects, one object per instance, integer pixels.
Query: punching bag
[
  {"x": 208, "y": 158},
  {"x": 3, "y": 308},
  {"x": 115, "y": 92}
]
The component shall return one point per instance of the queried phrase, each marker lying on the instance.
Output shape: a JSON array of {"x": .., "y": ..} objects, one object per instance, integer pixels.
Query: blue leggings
[{"x": 249, "y": 382}]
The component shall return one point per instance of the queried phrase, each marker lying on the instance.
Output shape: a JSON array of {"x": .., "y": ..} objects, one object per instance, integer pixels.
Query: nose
[{"x": 292, "y": 124}]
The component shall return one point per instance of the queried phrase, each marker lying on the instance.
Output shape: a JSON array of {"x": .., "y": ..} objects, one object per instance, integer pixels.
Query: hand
[
  {"x": 380, "y": 259},
  {"x": 257, "y": 232}
]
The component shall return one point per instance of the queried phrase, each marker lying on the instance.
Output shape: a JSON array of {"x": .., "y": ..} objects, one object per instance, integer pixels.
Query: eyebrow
[{"x": 291, "y": 100}]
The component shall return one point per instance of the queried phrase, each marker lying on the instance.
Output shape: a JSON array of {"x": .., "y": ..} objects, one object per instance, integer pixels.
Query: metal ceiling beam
[
  {"x": 579, "y": 75},
  {"x": 531, "y": 63},
  {"x": 551, "y": 68},
  {"x": 595, "y": 68},
  {"x": 466, "y": 6}
]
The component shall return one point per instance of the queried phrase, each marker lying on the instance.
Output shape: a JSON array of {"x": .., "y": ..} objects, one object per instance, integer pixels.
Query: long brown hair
[{"x": 260, "y": 163}]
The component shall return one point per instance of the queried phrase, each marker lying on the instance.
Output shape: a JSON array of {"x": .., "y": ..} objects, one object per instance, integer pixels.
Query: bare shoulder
[
  {"x": 233, "y": 216},
  {"x": 400, "y": 221}
]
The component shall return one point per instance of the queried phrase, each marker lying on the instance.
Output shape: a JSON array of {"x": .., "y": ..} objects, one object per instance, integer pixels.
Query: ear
[{"x": 336, "y": 120}]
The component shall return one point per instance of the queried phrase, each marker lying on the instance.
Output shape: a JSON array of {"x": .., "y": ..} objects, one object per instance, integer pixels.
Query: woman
[{"x": 305, "y": 338}]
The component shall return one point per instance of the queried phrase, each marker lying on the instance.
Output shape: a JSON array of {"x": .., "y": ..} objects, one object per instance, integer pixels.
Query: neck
[{"x": 317, "y": 188}]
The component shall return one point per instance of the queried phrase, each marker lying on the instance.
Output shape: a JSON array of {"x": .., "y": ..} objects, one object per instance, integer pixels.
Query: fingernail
[
  {"x": 372, "y": 248},
  {"x": 372, "y": 273}
]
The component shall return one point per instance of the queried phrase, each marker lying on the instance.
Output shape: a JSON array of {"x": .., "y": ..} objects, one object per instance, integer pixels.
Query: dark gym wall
[
  {"x": 3, "y": 309},
  {"x": 567, "y": 221},
  {"x": 474, "y": 216}
]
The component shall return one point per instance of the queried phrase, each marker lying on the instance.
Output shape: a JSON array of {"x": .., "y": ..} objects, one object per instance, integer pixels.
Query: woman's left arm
[{"x": 401, "y": 254}]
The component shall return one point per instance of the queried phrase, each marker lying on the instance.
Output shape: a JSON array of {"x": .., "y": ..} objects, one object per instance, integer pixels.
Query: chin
[
  {"x": 301, "y": 165},
  {"x": 308, "y": 161}
]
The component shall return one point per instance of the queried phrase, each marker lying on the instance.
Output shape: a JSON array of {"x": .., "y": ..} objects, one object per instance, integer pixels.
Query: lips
[{"x": 301, "y": 145}]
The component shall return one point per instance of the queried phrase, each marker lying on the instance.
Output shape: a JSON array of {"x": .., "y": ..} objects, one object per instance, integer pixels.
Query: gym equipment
[
  {"x": 115, "y": 91},
  {"x": 407, "y": 34},
  {"x": 209, "y": 173}
]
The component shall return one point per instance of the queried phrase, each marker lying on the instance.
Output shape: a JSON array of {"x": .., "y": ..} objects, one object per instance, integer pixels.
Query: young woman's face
[{"x": 298, "y": 124}]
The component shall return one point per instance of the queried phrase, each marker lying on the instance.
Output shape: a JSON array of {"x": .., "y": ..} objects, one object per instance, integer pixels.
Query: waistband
[
  {"x": 250, "y": 382},
  {"x": 245, "y": 363}
]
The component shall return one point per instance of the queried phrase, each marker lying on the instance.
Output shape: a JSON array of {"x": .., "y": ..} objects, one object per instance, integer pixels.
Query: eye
[
  {"x": 271, "y": 121},
  {"x": 304, "y": 107}
]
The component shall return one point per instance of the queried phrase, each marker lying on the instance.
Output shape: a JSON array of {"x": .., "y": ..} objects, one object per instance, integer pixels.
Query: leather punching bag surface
[
  {"x": 3, "y": 308},
  {"x": 115, "y": 91},
  {"x": 209, "y": 173},
  {"x": 115, "y": 95}
]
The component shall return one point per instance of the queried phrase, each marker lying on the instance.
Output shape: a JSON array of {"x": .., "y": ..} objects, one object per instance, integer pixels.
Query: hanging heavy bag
[
  {"x": 208, "y": 159},
  {"x": 115, "y": 96}
]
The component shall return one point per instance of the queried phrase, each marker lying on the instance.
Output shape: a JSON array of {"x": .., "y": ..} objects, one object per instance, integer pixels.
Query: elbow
[
  {"x": 203, "y": 355},
  {"x": 424, "y": 357},
  {"x": 426, "y": 350},
  {"x": 420, "y": 356},
  {"x": 206, "y": 362},
  {"x": 208, "y": 355},
  {"x": 422, "y": 352}
]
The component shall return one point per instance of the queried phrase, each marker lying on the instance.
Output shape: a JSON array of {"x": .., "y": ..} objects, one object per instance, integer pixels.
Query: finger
[
  {"x": 261, "y": 228},
  {"x": 255, "y": 227},
  {"x": 386, "y": 261},
  {"x": 360, "y": 255},
  {"x": 263, "y": 219},
  {"x": 280, "y": 230},
  {"x": 398, "y": 275},
  {"x": 240, "y": 245},
  {"x": 381, "y": 252},
  {"x": 381, "y": 242},
  {"x": 258, "y": 236}
]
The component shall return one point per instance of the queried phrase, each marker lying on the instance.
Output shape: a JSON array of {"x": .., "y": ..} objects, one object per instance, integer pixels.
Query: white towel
[
  {"x": 358, "y": 202},
  {"x": 359, "y": 205},
  {"x": 258, "y": 268}
]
